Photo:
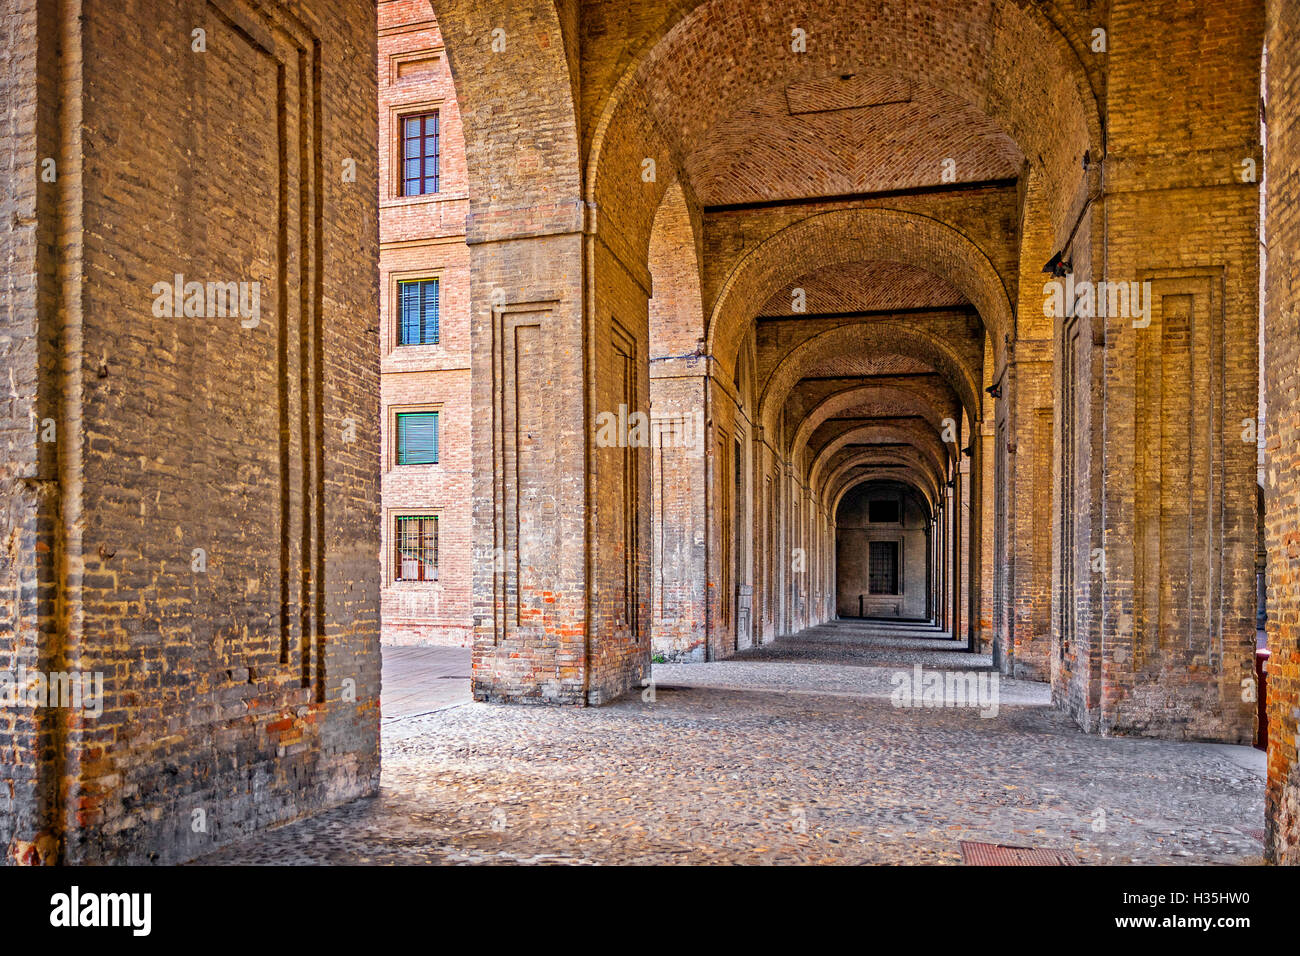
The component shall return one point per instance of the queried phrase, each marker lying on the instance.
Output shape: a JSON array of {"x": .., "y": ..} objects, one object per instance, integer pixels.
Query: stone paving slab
[
  {"x": 868, "y": 659},
  {"x": 419, "y": 680},
  {"x": 832, "y": 773}
]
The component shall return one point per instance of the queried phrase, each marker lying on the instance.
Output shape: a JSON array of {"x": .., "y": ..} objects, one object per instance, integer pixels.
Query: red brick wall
[
  {"x": 854, "y": 531},
  {"x": 1164, "y": 486}
]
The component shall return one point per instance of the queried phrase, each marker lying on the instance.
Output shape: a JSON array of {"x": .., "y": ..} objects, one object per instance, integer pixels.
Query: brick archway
[
  {"x": 894, "y": 397},
  {"x": 860, "y": 469},
  {"x": 493, "y": 45},
  {"x": 855, "y": 235},
  {"x": 1044, "y": 69},
  {"x": 888, "y": 334},
  {"x": 867, "y": 474},
  {"x": 936, "y": 456}
]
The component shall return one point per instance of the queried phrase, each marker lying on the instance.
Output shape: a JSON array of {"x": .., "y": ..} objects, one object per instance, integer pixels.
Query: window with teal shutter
[
  {"x": 418, "y": 322},
  {"x": 417, "y": 438}
]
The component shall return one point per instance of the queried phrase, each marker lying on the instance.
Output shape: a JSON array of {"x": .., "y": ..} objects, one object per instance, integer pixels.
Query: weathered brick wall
[
  {"x": 1282, "y": 360},
  {"x": 530, "y": 558},
  {"x": 29, "y": 213},
  {"x": 620, "y": 521},
  {"x": 1176, "y": 504},
  {"x": 424, "y": 237},
  {"x": 556, "y": 617},
  {"x": 236, "y": 633},
  {"x": 678, "y": 577}
]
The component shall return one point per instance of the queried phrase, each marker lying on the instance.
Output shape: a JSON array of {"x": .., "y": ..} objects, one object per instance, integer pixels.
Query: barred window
[
  {"x": 417, "y": 548},
  {"x": 420, "y": 154},
  {"x": 882, "y": 567},
  {"x": 417, "y": 438},
  {"x": 418, "y": 322}
]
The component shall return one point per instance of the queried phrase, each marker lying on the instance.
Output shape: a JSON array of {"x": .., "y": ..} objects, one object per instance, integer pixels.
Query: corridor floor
[{"x": 790, "y": 753}]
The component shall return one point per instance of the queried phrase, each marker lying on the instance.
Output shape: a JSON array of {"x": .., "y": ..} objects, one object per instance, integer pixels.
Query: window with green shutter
[{"x": 417, "y": 438}]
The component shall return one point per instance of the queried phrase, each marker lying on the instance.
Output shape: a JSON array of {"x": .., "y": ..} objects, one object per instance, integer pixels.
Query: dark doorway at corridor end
[{"x": 883, "y": 553}]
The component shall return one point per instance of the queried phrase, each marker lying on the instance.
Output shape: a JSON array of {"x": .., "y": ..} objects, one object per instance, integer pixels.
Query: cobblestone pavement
[{"x": 789, "y": 753}]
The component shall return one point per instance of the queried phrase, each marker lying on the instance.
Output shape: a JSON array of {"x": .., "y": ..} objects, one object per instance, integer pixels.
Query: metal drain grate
[{"x": 999, "y": 854}]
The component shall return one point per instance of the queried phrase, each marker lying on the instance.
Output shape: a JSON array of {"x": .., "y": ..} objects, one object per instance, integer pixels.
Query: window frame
[
  {"x": 898, "y": 567},
  {"x": 393, "y": 303},
  {"x": 423, "y": 114},
  {"x": 391, "y": 443},
  {"x": 394, "y": 549},
  {"x": 397, "y": 436},
  {"x": 393, "y": 172},
  {"x": 399, "y": 317}
]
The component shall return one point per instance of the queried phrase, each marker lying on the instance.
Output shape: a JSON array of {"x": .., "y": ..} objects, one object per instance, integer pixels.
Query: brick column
[
  {"x": 559, "y": 316},
  {"x": 1028, "y": 390},
  {"x": 1169, "y": 635},
  {"x": 1282, "y": 360},
  {"x": 766, "y": 539},
  {"x": 984, "y": 452},
  {"x": 678, "y": 591},
  {"x": 954, "y": 495}
]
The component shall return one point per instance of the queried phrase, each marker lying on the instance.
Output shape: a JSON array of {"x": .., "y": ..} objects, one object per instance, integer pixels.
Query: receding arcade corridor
[
  {"x": 789, "y": 753},
  {"x": 652, "y": 431}
]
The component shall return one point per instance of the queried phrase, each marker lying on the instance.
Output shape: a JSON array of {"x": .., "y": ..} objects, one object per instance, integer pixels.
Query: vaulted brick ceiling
[
  {"x": 886, "y": 97},
  {"x": 867, "y": 363},
  {"x": 878, "y": 98},
  {"x": 844, "y": 134},
  {"x": 866, "y": 287}
]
